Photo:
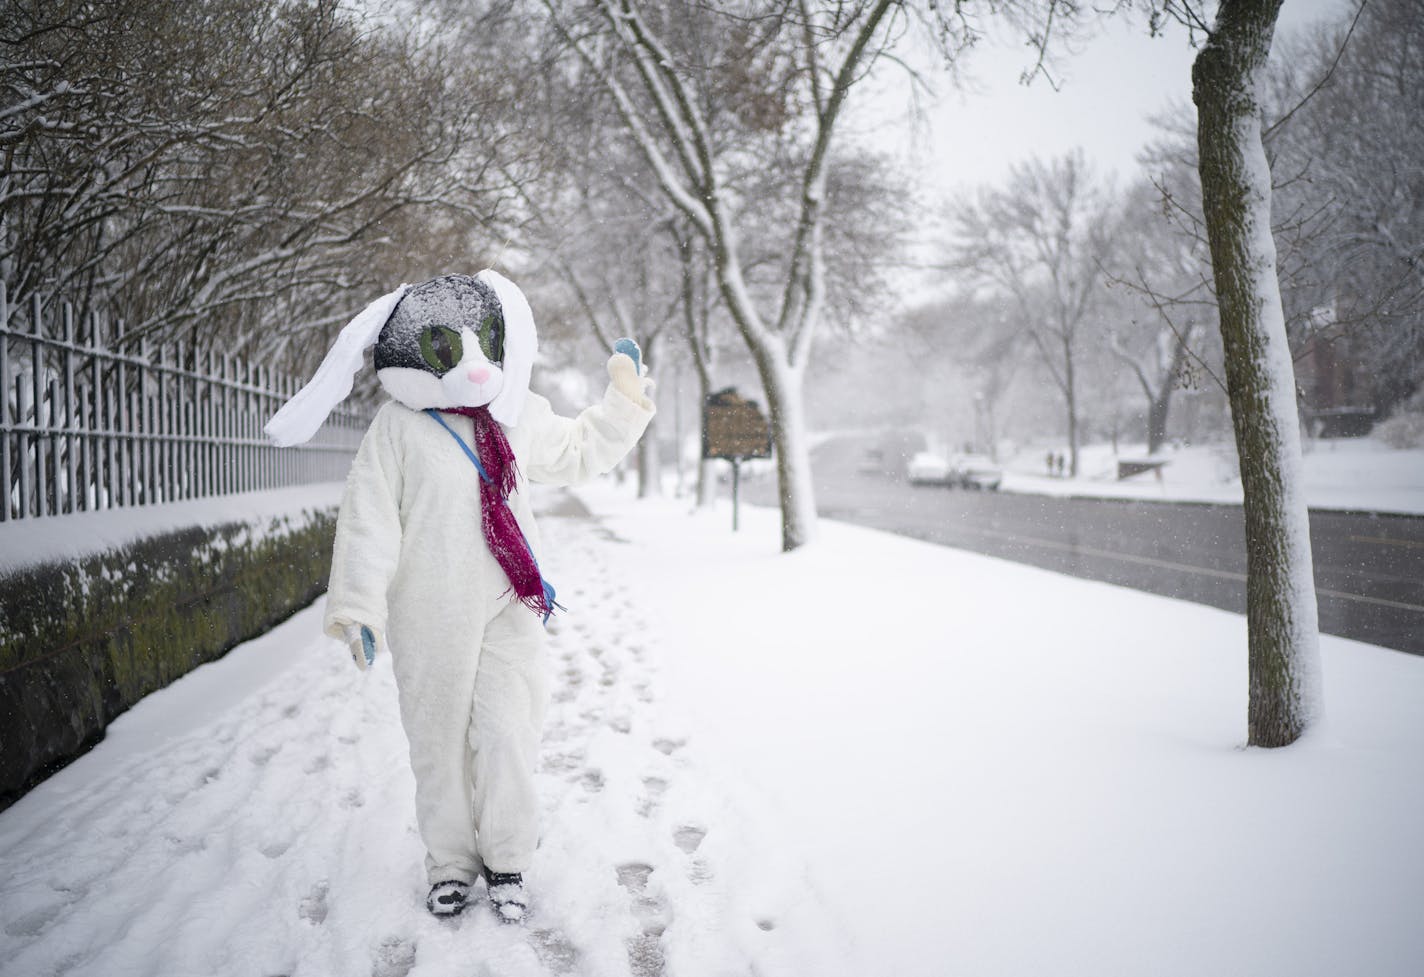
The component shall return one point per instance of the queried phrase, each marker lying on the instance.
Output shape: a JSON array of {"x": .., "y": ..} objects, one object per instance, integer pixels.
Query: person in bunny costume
[{"x": 436, "y": 554}]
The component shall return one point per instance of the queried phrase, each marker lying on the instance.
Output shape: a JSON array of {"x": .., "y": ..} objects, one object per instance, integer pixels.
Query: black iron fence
[{"x": 90, "y": 419}]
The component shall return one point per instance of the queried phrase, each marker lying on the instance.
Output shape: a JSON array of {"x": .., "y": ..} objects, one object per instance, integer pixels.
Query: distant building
[{"x": 1337, "y": 398}]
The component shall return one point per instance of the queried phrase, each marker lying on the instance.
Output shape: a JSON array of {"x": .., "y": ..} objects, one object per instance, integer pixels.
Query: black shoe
[
  {"x": 507, "y": 896},
  {"x": 447, "y": 898}
]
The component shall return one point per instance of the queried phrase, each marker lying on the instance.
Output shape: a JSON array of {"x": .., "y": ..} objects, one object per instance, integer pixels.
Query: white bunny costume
[{"x": 412, "y": 562}]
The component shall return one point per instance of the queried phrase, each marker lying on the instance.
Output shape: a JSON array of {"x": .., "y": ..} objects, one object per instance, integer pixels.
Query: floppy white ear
[
  {"x": 301, "y": 416},
  {"x": 521, "y": 344}
]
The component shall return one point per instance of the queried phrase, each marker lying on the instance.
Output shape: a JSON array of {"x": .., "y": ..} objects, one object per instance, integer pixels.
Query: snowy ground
[
  {"x": 1346, "y": 473},
  {"x": 873, "y": 756}
]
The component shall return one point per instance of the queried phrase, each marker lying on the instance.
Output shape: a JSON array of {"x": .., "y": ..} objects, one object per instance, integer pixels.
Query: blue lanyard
[
  {"x": 469, "y": 452},
  {"x": 484, "y": 476}
]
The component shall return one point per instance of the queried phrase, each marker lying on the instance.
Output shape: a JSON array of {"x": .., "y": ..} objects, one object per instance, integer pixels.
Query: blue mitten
[
  {"x": 625, "y": 370},
  {"x": 362, "y": 642},
  {"x": 631, "y": 350}
]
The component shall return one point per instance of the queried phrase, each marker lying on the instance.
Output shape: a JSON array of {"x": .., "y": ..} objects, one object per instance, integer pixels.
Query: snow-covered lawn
[
  {"x": 871, "y": 757},
  {"x": 1346, "y": 473}
]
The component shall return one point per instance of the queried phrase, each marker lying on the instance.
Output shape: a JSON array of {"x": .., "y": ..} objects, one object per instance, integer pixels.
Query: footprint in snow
[
  {"x": 554, "y": 951},
  {"x": 313, "y": 905},
  {"x": 634, "y": 876},
  {"x": 395, "y": 957},
  {"x": 689, "y": 837},
  {"x": 645, "y": 951},
  {"x": 653, "y": 789},
  {"x": 645, "y": 956},
  {"x": 667, "y": 746},
  {"x": 563, "y": 762}
]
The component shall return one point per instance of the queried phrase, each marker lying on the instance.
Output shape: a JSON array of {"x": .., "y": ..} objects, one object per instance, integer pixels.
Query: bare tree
[
  {"x": 1163, "y": 304},
  {"x": 1041, "y": 240},
  {"x": 603, "y": 243},
  {"x": 661, "y": 69},
  {"x": 1345, "y": 101},
  {"x": 715, "y": 95},
  {"x": 699, "y": 329},
  {"x": 1236, "y": 196},
  {"x": 230, "y": 171},
  {"x": 1338, "y": 106},
  {"x": 627, "y": 281}
]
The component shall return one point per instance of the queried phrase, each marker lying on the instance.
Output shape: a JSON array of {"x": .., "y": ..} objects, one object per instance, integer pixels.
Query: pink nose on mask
[{"x": 478, "y": 375}]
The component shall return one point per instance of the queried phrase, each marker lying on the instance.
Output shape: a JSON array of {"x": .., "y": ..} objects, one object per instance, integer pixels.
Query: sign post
[{"x": 734, "y": 428}]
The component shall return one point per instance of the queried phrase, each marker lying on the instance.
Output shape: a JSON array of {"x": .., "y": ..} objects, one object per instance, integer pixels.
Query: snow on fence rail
[{"x": 92, "y": 420}]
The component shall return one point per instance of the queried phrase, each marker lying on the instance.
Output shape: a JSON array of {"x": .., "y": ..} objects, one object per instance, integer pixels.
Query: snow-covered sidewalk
[
  {"x": 257, "y": 818},
  {"x": 872, "y": 756},
  {"x": 1359, "y": 474}
]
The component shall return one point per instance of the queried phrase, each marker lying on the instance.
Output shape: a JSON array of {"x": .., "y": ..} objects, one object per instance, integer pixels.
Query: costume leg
[
  {"x": 436, "y": 683},
  {"x": 511, "y": 696}
]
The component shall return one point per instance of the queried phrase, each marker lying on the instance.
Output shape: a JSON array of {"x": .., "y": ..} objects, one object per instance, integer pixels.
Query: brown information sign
[{"x": 734, "y": 428}]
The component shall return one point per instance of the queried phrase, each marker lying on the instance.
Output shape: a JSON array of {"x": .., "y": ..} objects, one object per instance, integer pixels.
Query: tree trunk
[
  {"x": 1157, "y": 418},
  {"x": 696, "y": 318},
  {"x": 650, "y": 483},
  {"x": 1236, "y": 198},
  {"x": 781, "y": 382},
  {"x": 793, "y": 459},
  {"x": 1070, "y": 398},
  {"x": 781, "y": 375},
  {"x": 1159, "y": 402},
  {"x": 706, "y": 482}
]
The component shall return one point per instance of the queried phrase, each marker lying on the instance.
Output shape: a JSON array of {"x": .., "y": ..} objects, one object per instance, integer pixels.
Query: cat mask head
[{"x": 454, "y": 341}]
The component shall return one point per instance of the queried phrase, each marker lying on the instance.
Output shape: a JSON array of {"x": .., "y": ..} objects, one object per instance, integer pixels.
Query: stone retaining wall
[{"x": 82, "y": 640}]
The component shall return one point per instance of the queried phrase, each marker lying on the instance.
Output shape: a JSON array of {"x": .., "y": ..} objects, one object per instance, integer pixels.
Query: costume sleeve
[
  {"x": 368, "y": 534},
  {"x": 564, "y": 451}
]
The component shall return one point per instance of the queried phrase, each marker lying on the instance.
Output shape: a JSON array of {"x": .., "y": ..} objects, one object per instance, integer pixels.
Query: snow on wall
[{"x": 25, "y": 542}]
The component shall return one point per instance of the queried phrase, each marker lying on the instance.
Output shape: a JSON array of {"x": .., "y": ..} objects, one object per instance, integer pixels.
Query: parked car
[
  {"x": 978, "y": 472},
  {"x": 927, "y": 468}
]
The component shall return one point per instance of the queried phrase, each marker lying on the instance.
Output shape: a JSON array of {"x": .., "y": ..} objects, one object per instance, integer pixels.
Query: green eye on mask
[
  {"x": 492, "y": 338},
  {"x": 440, "y": 346}
]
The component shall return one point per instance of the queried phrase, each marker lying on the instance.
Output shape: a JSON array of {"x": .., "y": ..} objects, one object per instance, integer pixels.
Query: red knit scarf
[{"x": 502, "y": 533}]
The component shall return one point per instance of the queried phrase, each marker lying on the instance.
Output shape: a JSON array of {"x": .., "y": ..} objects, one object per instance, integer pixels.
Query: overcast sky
[{"x": 1107, "y": 92}]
